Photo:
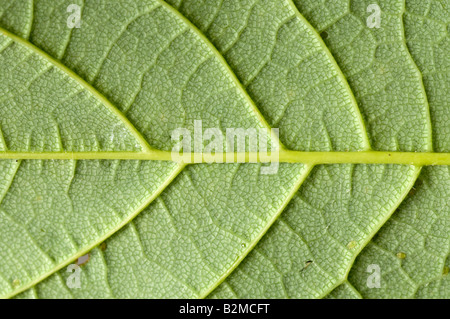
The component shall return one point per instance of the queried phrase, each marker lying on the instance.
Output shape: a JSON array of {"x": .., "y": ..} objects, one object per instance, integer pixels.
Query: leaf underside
[{"x": 136, "y": 70}]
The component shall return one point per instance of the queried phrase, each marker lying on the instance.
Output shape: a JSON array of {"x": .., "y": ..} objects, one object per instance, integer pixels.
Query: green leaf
[
  {"x": 379, "y": 69},
  {"x": 412, "y": 248},
  {"x": 254, "y": 279},
  {"x": 423, "y": 246},
  {"x": 344, "y": 291},
  {"x": 71, "y": 178}
]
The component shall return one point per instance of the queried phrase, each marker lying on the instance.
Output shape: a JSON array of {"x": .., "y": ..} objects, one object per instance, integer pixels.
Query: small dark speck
[
  {"x": 324, "y": 35},
  {"x": 307, "y": 264}
]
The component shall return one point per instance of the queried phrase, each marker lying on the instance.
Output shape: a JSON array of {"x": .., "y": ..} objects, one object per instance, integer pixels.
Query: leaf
[
  {"x": 344, "y": 291},
  {"x": 202, "y": 223},
  {"x": 270, "y": 257},
  {"x": 412, "y": 247},
  {"x": 423, "y": 272}
]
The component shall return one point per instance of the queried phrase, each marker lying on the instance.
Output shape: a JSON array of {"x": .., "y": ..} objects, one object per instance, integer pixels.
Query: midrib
[{"x": 285, "y": 156}]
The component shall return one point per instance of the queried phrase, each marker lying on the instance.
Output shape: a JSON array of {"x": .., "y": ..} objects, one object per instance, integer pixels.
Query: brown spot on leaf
[
  {"x": 16, "y": 283},
  {"x": 352, "y": 244},
  {"x": 83, "y": 260},
  {"x": 401, "y": 255}
]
